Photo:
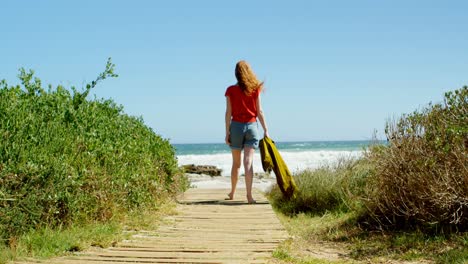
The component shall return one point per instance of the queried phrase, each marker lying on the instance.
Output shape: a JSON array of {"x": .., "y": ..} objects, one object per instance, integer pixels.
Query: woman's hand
[
  {"x": 266, "y": 135},
  {"x": 227, "y": 140}
]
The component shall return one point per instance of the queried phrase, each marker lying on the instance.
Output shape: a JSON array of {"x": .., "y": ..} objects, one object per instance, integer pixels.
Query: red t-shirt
[{"x": 244, "y": 107}]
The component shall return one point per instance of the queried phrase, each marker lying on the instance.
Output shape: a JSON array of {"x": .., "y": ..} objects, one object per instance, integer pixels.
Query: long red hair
[{"x": 246, "y": 78}]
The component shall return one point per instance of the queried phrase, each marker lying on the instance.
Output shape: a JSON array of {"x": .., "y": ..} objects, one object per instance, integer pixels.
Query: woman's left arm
[{"x": 261, "y": 117}]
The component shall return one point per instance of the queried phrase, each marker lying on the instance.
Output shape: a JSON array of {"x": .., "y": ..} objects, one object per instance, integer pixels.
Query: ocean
[{"x": 297, "y": 155}]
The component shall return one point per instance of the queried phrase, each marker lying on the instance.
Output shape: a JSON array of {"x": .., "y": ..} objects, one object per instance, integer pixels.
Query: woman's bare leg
[
  {"x": 248, "y": 167},
  {"x": 236, "y": 164}
]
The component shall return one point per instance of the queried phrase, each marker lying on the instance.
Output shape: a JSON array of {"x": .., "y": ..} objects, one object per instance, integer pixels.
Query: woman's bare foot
[
  {"x": 230, "y": 196},
  {"x": 251, "y": 200}
]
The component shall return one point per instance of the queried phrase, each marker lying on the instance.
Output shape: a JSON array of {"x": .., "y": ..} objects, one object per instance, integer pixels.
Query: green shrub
[
  {"x": 329, "y": 188},
  {"x": 65, "y": 159},
  {"x": 421, "y": 177}
]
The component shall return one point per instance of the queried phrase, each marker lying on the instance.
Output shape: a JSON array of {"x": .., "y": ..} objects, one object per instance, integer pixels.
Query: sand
[{"x": 202, "y": 181}]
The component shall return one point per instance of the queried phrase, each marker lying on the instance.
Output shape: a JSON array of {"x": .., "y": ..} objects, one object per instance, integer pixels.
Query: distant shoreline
[
  {"x": 219, "y": 148},
  {"x": 298, "y": 155}
]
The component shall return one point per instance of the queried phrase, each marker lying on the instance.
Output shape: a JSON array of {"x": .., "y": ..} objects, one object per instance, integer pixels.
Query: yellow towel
[{"x": 272, "y": 160}]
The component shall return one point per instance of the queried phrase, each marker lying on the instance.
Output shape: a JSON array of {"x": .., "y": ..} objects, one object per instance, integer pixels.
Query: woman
[{"x": 243, "y": 107}]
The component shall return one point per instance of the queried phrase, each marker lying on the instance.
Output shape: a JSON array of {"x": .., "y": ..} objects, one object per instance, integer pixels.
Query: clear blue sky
[{"x": 332, "y": 69}]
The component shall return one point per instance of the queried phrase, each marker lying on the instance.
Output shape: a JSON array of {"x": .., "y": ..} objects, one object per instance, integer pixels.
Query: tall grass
[
  {"x": 421, "y": 177},
  {"x": 67, "y": 160},
  {"x": 329, "y": 188}
]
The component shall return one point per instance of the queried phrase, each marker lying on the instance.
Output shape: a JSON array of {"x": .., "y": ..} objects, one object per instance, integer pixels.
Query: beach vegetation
[
  {"x": 332, "y": 187},
  {"x": 336, "y": 237},
  {"x": 404, "y": 200},
  {"x": 68, "y": 162},
  {"x": 420, "y": 178}
]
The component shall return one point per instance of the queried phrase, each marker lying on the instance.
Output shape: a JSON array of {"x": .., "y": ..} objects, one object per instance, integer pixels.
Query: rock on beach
[{"x": 202, "y": 169}]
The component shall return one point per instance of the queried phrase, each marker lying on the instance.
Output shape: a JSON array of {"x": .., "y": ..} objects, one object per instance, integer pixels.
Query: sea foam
[{"x": 295, "y": 160}]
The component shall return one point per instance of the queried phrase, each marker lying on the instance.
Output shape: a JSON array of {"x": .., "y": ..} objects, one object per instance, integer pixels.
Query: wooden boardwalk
[{"x": 207, "y": 229}]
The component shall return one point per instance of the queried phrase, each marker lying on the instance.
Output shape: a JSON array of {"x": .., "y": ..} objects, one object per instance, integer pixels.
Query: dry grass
[
  {"x": 404, "y": 202},
  {"x": 421, "y": 176}
]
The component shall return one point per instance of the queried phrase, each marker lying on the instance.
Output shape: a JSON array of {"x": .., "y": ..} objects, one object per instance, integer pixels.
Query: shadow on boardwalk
[
  {"x": 206, "y": 229},
  {"x": 219, "y": 202}
]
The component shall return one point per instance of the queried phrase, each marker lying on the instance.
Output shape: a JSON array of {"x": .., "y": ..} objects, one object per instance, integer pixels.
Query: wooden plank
[{"x": 205, "y": 229}]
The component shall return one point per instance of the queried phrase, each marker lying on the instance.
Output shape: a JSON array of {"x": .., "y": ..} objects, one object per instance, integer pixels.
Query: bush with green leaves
[
  {"x": 65, "y": 159},
  {"x": 418, "y": 180},
  {"x": 421, "y": 176}
]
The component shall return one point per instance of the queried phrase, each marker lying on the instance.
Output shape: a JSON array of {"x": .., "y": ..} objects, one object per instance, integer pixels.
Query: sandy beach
[{"x": 203, "y": 181}]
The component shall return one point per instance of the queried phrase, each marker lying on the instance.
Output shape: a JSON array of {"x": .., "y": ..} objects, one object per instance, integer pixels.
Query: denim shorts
[{"x": 243, "y": 134}]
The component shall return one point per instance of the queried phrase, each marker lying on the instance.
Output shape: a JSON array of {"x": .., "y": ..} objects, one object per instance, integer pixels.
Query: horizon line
[{"x": 286, "y": 141}]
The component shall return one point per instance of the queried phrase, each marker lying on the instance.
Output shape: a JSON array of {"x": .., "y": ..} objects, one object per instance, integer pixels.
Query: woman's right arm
[{"x": 227, "y": 119}]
